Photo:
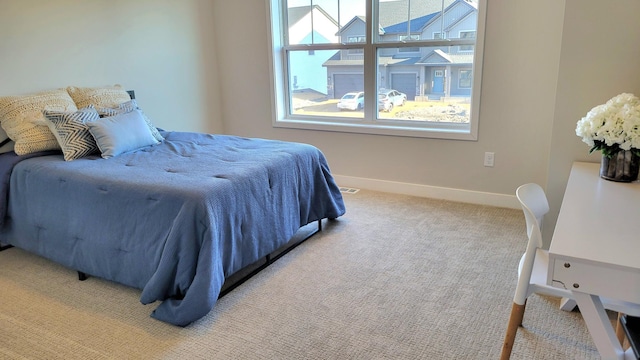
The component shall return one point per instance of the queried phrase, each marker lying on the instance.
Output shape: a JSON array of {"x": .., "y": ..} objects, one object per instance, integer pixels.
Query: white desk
[{"x": 595, "y": 249}]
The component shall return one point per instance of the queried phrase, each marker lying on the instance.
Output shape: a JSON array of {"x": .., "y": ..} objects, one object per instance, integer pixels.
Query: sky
[{"x": 348, "y": 8}]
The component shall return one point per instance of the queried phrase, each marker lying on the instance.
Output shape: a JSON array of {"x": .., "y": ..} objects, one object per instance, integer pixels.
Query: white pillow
[{"x": 118, "y": 134}]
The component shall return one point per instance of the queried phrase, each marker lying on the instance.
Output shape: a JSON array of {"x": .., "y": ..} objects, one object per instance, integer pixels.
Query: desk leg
[
  {"x": 567, "y": 304},
  {"x": 599, "y": 326}
]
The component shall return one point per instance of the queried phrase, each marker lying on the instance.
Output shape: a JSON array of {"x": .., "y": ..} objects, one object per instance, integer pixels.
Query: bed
[{"x": 175, "y": 219}]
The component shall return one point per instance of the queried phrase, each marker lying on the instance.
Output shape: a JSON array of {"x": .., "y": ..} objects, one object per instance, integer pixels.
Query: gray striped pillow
[
  {"x": 6, "y": 144},
  {"x": 72, "y": 132}
]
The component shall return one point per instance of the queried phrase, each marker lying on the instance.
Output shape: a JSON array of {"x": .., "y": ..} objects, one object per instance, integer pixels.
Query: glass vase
[{"x": 621, "y": 167}]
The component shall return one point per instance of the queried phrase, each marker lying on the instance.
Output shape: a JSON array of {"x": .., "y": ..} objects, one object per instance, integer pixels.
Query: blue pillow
[
  {"x": 121, "y": 133},
  {"x": 125, "y": 107}
]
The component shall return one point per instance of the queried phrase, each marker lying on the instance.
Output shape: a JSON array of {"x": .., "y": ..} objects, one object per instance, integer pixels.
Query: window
[
  {"x": 406, "y": 38},
  {"x": 356, "y": 39},
  {"x": 414, "y": 61},
  {"x": 465, "y": 78},
  {"x": 467, "y": 35}
]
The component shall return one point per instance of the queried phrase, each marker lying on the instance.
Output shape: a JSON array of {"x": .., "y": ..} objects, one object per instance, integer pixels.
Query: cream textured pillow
[
  {"x": 21, "y": 117},
  {"x": 110, "y": 96}
]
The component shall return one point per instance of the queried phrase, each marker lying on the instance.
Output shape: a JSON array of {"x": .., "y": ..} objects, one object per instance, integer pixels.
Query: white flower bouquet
[{"x": 612, "y": 127}]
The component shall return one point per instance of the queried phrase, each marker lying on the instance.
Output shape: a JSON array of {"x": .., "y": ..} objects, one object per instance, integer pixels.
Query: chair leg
[{"x": 515, "y": 320}]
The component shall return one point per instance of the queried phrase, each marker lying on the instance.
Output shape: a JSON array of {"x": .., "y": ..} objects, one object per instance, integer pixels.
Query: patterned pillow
[
  {"x": 21, "y": 117},
  {"x": 72, "y": 132},
  {"x": 128, "y": 107},
  {"x": 99, "y": 97}
]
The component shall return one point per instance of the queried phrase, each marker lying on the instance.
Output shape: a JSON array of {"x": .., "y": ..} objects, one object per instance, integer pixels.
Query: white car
[
  {"x": 351, "y": 101},
  {"x": 388, "y": 98}
]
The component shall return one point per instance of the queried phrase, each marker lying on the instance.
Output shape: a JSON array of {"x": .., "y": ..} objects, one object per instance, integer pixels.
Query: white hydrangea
[{"x": 616, "y": 123}]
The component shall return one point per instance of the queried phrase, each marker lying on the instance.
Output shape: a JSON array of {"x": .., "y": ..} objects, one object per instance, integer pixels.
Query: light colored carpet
[{"x": 397, "y": 277}]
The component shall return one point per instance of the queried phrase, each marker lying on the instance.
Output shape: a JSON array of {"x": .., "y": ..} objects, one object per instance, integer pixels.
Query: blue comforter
[{"x": 174, "y": 219}]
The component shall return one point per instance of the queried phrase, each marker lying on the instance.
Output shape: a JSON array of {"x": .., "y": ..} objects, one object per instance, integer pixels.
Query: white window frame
[{"x": 370, "y": 124}]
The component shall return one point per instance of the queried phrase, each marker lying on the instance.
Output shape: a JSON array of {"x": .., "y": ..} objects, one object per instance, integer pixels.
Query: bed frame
[{"x": 249, "y": 271}]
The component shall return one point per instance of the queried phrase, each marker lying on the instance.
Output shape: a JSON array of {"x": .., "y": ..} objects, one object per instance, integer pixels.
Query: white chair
[{"x": 533, "y": 267}]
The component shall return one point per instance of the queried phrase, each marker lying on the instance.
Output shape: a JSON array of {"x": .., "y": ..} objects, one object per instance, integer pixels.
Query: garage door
[
  {"x": 344, "y": 83},
  {"x": 405, "y": 83}
]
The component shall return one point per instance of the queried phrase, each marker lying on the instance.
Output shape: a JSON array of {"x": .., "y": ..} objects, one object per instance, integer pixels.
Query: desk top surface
[{"x": 599, "y": 219}]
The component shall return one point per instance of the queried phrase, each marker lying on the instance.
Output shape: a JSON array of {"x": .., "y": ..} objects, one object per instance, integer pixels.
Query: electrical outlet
[{"x": 489, "y": 159}]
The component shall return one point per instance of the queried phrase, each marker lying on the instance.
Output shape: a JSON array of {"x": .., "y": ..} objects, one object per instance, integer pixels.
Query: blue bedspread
[
  {"x": 7, "y": 161},
  {"x": 173, "y": 219}
]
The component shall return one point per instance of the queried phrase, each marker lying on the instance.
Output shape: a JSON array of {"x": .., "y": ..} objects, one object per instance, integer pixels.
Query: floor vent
[{"x": 346, "y": 190}]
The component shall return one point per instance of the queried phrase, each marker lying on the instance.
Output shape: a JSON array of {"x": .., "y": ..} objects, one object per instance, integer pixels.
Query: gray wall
[
  {"x": 163, "y": 49},
  {"x": 512, "y": 125}
]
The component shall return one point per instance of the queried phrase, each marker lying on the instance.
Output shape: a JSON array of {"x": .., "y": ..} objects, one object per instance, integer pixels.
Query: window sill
[{"x": 429, "y": 130}]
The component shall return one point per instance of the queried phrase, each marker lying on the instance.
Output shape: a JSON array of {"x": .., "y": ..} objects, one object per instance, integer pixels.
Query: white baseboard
[{"x": 435, "y": 192}]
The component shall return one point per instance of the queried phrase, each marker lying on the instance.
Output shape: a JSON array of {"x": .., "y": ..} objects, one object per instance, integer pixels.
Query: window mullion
[
  {"x": 409, "y": 19},
  {"x": 370, "y": 73},
  {"x": 313, "y": 41}
]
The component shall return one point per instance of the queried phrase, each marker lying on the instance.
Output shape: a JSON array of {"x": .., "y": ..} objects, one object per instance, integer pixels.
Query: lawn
[{"x": 435, "y": 110}]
